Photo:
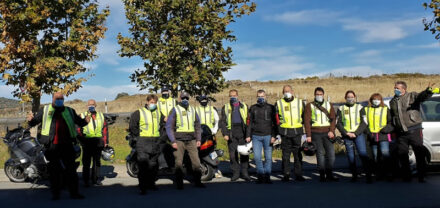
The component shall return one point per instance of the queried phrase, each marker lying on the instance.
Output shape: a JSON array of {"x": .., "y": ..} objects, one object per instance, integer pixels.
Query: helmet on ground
[
  {"x": 308, "y": 148},
  {"x": 108, "y": 153},
  {"x": 245, "y": 149}
]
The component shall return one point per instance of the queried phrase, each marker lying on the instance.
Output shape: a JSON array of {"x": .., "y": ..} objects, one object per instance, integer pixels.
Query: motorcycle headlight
[{"x": 24, "y": 160}]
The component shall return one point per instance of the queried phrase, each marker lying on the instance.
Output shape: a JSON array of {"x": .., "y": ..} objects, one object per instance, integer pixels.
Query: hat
[
  {"x": 165, "y": 88},
  {"x": 184, "y": 95}
]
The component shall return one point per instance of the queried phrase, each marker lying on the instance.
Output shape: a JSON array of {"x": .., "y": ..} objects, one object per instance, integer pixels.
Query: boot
[
  {"x": 369, "y": 178},
  {"x": 244, "y": 171},
  {"x": 267, "y": 179},
  {"x": 95, "y": 176},
  {"x": 330, "y": 176},
  {"x": 286, "y": 178},
  {"x": 85, "y": 176},
  {"x": 354, "y": 174},
  {"x": 235, "y": 175},
  {"x": 300, "y": 178},
  {"x": 259, "y": 179},
  {"x": 197, "y": 182},
  {"x": 321, "y": 176},
  {"x": 179, "y": 179}
]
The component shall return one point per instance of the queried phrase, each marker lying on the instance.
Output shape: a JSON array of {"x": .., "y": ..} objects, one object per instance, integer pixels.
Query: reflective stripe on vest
[
  {"x": 88, "y": 130},
  {"x": 290, "y": 113},
  {"x": 243, "y": 113},
  {"x": 318, "y": 117},
  {"x": 149, "y": 123},
  {"x": 206, "y": 115},
  {"x": 185, "y": 119},
  {"x": 166, "y": 105},
  {"x": 67, "y": 115},
  {"x": 351, "y": 117},
  {"x": 377, "y": 118}
]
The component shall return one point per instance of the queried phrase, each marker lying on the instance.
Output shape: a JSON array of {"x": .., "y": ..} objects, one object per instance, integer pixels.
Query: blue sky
[{"x": 290, "y": 39}]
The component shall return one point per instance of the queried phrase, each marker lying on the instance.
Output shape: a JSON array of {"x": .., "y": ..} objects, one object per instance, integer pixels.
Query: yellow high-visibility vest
[
  {"x": 149, "y": 123},
  {"x": 67, "y": 115},
  {"x": 351, "y": 117},
  {"x": 290, "y": 113},
  {"x": 243, "y": 113},
  {"x": 166, "y": 105},
  {"x": 377, "y": 118},
  {"x": 206, "y": 115},
  {"x": 91, "y": 131},
  {"x": 319, "y": 118},
  {"x": 185, "y": 119}
]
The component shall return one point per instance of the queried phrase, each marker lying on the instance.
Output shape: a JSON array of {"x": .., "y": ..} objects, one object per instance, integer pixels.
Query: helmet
[
  {"x": 108, "y": 153},
  {"x": 77, "y": 150},
  {"x": 309, "y": 149},
  {"x": 245, "y": 149}
]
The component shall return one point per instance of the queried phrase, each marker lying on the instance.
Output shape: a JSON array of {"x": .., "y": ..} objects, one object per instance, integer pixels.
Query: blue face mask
[
  {"x": 152, "y": 107},
  {"x": 397, "y": 92},
  {"x": 261, "y": 100},
  {"x": 59, "y": 103},
  {"x": 233, "y": 100},
  {"x": 185, "y": 103},
  {"x": 91, "y": 108}
]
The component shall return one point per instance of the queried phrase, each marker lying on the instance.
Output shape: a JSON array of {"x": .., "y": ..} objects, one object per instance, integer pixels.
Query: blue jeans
[
  {"x": 384, "y": 149},
  {"x": 259, "y": 143},
  {"x": 361, "y": 147}
]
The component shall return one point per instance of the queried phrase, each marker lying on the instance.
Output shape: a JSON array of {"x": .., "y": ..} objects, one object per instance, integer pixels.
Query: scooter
[{"x": 209, "y": 157}]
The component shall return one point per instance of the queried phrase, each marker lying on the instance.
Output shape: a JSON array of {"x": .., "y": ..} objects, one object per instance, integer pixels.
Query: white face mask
[
  {"x": 319, "y": 98},
  {"x": 376, "y": 102},
  {"x": 288, "y": 95},
  {"x": 350, "y": 100}
]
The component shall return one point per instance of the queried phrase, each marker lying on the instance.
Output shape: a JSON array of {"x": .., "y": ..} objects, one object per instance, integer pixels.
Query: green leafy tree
[
  {"x": 45, "y": 44},
  {"x": 433, "y": 24},
  {"x": 181, "y": 42}
]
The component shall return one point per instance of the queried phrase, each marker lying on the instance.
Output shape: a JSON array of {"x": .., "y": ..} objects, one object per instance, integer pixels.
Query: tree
[
  {"x": 181, "y": 42},
  {"x": 122, "y": 94},
  {"x": 45, "y": 43},
  {"x": 433, "y": 24}
]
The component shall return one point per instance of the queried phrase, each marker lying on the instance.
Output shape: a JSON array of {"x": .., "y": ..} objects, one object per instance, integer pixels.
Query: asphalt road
[{"x": 119, "y": 190}]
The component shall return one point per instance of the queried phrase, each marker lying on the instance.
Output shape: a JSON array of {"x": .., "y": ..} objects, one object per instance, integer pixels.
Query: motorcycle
[
  {"x": 209, "y": 157},
  {"x": 27, "y": 161}
]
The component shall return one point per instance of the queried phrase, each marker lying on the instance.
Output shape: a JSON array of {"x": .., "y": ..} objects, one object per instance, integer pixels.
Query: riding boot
[
  {"x": 354, "y": 174},
  {"x": 179, "y": 179}
]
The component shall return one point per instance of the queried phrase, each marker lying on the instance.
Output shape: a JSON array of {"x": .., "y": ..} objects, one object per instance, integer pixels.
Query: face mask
[
  {"x": 261, "y": 100},
  {"x": 185, "y": 103},
  {"x": 288, "y": 95},
  {"x": 91, "y": 108},
  {"x": 166, "y": 95},
  {"x": 376, "y": 102},
  {"x": 233, "y": 100},
  {"x": 350, "y": 100},
  {"x": 152, "y": 106},
  {"x": 319, "y": 98},
  {"x": 59, "y": 103},
  {"x": 204, "y": 102},
  {"x": 397, "y": 92}
]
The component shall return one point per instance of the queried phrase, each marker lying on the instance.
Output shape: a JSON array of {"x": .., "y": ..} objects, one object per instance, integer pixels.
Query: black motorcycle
[
  {"x": 27, "y": 162},
  {"x": 209, "y": 157}
]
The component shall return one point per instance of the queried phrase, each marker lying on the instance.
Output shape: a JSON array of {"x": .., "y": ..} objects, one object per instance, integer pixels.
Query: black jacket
[
  {"x": 358, "y": 131},
  {"x": 262, "y": 120},
  {"x": 47, "y": 140}
]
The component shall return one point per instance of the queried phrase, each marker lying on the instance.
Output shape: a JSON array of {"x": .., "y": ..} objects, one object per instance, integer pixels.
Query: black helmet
[
  {"x": 108, "y": 153},
  {"x": 309, "y": 149}
]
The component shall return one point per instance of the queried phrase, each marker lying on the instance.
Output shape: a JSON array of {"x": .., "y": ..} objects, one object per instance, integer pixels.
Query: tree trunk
[{"x": 36, "y": 103}]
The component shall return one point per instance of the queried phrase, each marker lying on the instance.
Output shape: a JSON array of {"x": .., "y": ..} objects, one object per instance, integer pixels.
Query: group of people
[{"x": 380, "y": 134}]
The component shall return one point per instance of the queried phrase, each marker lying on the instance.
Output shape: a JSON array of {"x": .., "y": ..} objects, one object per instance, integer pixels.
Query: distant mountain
[{"x": 9, "y": 103}]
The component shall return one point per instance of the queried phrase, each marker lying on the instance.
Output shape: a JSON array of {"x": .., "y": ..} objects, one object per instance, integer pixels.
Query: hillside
[{"x": 335, "y": 88}]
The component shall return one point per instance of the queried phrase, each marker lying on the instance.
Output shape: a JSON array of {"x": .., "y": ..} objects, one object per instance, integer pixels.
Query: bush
[{"x": 122, "y": 94}]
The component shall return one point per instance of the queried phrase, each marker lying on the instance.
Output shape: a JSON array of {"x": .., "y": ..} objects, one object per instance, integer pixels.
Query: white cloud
[
  {"x": 435, "y": 45},
  {"x": 130, "y": 69},
  {"x": 6, "y": 91},
  {"x": 100, "y": 93},
  {"x": 368, "y": 56},
  {"x": 306, "y": 17},
  {"x": 381, "y": 31},
  {"x": 344, "y": 50},
  {"x": 427, "y": 63}
]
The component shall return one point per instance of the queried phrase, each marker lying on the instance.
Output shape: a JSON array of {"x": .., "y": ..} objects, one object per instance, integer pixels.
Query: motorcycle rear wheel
[
  {"x": 207, "y": 172},
  {"x": 132, "y": 169}
]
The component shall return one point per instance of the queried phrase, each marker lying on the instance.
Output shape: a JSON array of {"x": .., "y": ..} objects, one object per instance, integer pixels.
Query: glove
[{"x": 436, "y": 90}]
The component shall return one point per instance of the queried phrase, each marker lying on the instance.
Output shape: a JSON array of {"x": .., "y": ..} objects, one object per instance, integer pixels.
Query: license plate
[{"x": 213, "y": 155}]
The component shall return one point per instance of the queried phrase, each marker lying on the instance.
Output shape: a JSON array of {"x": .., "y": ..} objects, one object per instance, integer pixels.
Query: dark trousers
[
  {"x": 92, "y": 148},
  {"x": 291, "y": 145},
  {"x": 62, "y": 168},
  {"x": 191, "y": 147},
  {"x": 325, "y": 152},
  {"x": 148, "y": 151},
  {"x": 237, "y": 138},
  {"x": 415, "y": 139}
]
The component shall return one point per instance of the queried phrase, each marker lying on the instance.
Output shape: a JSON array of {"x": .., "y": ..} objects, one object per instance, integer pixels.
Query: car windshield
[{"x": 431, "y": 109}]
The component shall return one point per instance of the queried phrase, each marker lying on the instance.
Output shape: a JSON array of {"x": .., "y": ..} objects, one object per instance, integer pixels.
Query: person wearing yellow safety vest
[
  {"x": 290, "y": 115},
  {"x": 166, "y": 103},
  {"x": 405, "y": 110},
  {"x": 184, "y": 131},
  {"x": 94, "y": 137},
  {"x": 319, "y": 123},
  {"x": 208, "y": 114},
  {"x": 233, "y": 123},
  {"x": 58, "y": 135},
  {"x": 352, "y": 127},
  {"x": 378, "y": 118},
  {"x": 145, "y": 126}
]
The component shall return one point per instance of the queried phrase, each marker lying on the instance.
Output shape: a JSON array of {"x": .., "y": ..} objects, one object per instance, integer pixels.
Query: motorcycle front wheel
[
  {"x": 132, "y": 168},
  {"x": 15, "y": 173}
]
